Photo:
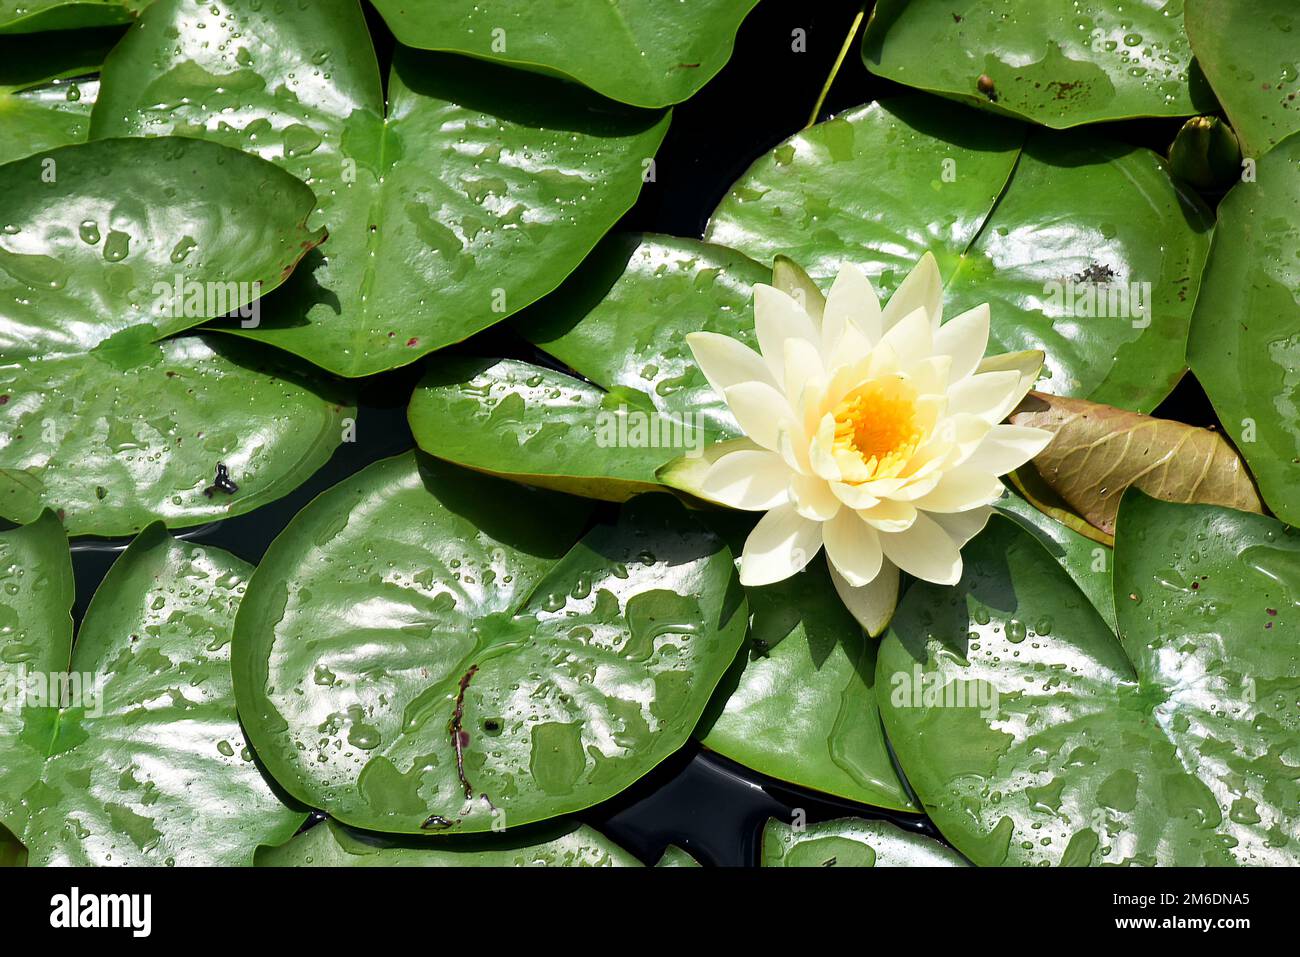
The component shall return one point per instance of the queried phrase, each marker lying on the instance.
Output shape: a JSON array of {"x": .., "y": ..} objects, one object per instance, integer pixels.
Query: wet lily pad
[
  {"x": 878, "y": 185},
  {"x": 674, "y": 856},
  {"x": 503, "y": 670},
  {"x": 1245, "y": 344},
  {"x": 852, "y": 842},
  {"x": 642, "y": 52},
  {"x": 1033, "y": 734},
  {"x": 108, "y": 248},
  {"x": 1248, "y": 51},
  {"x": 1056, "y": 62},
  {"x": 473, "y": 194},
  {"x": 1089, "y": 251},
  {"x": 1086, "y": 561},
  {"x": 544, "y": 428},
  {"x": 45, "y": 117},
  {"x": 596, "y": 323},
  {"x": 799, "y": 704},
  {"x": 34, "y": 16},
  {"x": 124, "y": 747},
  {"x": 330, "y": 844}
]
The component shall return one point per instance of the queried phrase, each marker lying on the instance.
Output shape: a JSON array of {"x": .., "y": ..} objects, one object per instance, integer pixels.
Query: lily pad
[
  {"x": 332, "y": 845},
  {"x": 674, "y": 856},
  {"x": 419, "y": 654},
  {"x": 34, "y": 16},
  {"x": 877, "y": 185},
  {"x": 124, "y": 747},
  {"x": 799, "y": 704},
  {"x": 1245, "y": 344},
  {"x": 1088, "y": 562},
  {"x": 1032, "y": 734},
  {"x": 1094, "y": 256},
  {"x": 129, "y": 243},
  {"x": 852, "y": 842},
  {"x": 45, "y": 117},
  {"x": 1247, "y": 49},
  {"x": 473, "y": 195},
  {"x": 1056, "y": 62},
  {"x": 544, "y": 428},
  {"x": 596, "y": 323},
  {"x": 642, "y": 52},
  {"x": 1089, "y": 252}
]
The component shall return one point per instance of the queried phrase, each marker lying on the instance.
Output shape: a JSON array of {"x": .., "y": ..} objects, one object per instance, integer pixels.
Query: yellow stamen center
[{"x": 876, "y": 429}]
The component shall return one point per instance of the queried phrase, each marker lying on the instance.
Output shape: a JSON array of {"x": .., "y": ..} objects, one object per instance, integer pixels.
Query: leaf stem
[{"x": 839, "y": 61}]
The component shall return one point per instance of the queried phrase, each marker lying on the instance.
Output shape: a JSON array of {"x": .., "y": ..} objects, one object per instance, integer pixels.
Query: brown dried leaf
[{"x": 1099, "y": 451}]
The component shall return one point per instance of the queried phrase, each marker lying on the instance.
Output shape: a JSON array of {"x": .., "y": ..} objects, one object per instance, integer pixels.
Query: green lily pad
[
  {"x": 101, "y": 420},
  {"x": 1247, "y": 49},
  {"x": 596, "y": 323},
  {"x": 34, "y": 16},
  {"x": 878, "y": 185},
  {"x": 852, "y": 842},
  {"x": 124, "y": 747},
  {"x": 1245, "y": 343},
  {"x": 473, "y": 195},
  {"x": 1032, "y": 734},
  {"x": 642, "y": 52},
  {"x": 46, "y": 94},
  {"x": 544, "y": 428},
  {"x": 1089, "y": 252},
  {"x": 1056, "y": 62},
  {"x": 1094, "y": 256},
  {"x": 1086, "y": 561},
  {"x": 674, "y": 856},
  {"x": 45, "y": 117},
  {"x": 419, "y": 654},
  {"x": 332, "y": 845},
  {"x": 799, "y": 704}
]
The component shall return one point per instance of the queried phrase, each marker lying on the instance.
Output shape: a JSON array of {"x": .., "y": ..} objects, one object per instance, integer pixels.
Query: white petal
[
  {"x": 890, "y": 515},
  {"x": 1028, "y": 364},
  {"x": 960, "y": 489},
  {"x": 777, "y": 318},
  {"x": 963, "y": 526},
  {"x": 910, "y": 338},
  {"x": 1007, "y": 447},
  {"x": 812, "y": 497},
  {"x": 794, "y": 451},
  {"x": 782, "y": 543},
  {"x": 965, "y": 338},
  {"x": 922, "y": 289},
  {"x": 925, "y": 550},
  {"x": 726, "y": 362},
  {"x": 760, "y": 411},
  {"x": 789, "y": 277},
  {"x": 919, "y": 486},
  {"x": 820, "y": 453},
  {"x": 851, "y": 303},
  {"x": 750, "y": 480},
  {"x": 990, "y": 395},
  {"x": 872, "y": 605},
  {"x": 855, "y": 497},
  {"x": 852, "y": 547},
  {"x": 802, "y": 362}
]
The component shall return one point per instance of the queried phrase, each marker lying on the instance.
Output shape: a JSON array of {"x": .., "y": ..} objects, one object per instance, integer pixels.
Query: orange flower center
[{"x": 876, "y": 430}]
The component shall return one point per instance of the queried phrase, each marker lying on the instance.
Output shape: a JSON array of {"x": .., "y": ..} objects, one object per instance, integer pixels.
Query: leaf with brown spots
[{"x": 1099, "y": 451}]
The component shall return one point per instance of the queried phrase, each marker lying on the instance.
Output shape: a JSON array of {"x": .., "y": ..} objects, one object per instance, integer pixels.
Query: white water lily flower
[{"x": 873, "y": 433}]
